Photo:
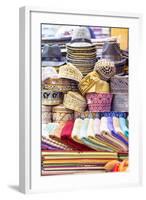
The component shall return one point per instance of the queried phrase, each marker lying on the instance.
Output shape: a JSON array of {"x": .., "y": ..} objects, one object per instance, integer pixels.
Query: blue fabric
[
  {"x": 123, "y": 126},
  {"x": 114, "y": 133},
  {"x": 113, "y": 114}
]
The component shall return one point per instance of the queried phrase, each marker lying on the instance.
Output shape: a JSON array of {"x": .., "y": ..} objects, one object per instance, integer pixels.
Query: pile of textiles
[
  {"x": 75, "y": 162},
  {"x": 86, "y": 143}
]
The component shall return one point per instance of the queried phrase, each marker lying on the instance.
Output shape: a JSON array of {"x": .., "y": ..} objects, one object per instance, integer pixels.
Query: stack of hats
[
  {"x": 60, "y": 113},
  {"x": 59, "y": 84},
  {"x": 80, "y": 51},
  {"x": 46, "y": 114},
  {"x": 61, "y": 90}
]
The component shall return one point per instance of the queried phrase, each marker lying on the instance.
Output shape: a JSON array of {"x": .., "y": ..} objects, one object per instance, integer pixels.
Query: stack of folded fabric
[
  {"x": 54, "y": 163},
  {"x": 84, "y": 144},
  {"x": 80, "y": 51}
]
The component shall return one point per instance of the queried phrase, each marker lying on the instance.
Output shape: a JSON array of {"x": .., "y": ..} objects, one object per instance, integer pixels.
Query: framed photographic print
[{"x": 79, "y": 116}]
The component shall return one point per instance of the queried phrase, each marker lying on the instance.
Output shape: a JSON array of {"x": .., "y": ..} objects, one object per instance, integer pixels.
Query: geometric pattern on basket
[
  {"x": 105, "y": 68},
  {"x": 99, "y": 102},
  {"x": 119, "y": 84}
]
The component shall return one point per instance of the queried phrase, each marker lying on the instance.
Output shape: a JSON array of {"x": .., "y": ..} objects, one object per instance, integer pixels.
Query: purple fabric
[
  {"x": 48, "y": 146},
  {"x": 114, "y": 133}
]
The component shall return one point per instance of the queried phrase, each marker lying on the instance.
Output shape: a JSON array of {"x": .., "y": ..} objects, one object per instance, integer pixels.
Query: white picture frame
[{"x": 29, "y": 160}]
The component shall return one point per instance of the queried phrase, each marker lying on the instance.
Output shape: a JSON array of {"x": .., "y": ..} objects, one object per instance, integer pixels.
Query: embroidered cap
[
  {"x": 105, "y": 68},
  {"x": 69, "y": 71},
  {"x": 51, "y": 98},
  {"x": 99, "y": 102},
  {"x": 74, "y": 101}
]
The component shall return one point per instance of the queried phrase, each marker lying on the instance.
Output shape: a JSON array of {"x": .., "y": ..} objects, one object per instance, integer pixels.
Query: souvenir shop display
[{"x": 85, "y": 107}]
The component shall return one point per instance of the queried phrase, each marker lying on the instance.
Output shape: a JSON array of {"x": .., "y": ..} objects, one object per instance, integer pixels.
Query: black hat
[{"x": 111, "y": 51}]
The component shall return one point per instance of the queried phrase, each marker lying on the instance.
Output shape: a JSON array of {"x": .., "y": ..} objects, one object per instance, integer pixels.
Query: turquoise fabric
[{"x": 124, "y": 126}]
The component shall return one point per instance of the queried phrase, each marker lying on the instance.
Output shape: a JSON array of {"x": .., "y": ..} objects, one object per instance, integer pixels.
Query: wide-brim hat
[
  {"x": 80, "y": 43},
  {"x": 81, "y": 37},
  {"x": 53, "y": 63},
  {"x": 111, "y": 51},
  {"x": 51, "y": 56}
]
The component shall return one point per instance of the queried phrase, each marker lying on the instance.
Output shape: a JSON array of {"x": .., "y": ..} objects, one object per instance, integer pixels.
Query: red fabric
[
  {"x": 66, "y": 137},
  {"x": 116, "y": 167}
]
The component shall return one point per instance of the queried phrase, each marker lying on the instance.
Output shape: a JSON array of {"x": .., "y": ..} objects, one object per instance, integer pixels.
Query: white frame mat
[{"x": 30, "y": 178}]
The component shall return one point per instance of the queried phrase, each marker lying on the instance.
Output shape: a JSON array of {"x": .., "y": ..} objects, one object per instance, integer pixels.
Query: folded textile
[
  {"x": 124, "y": 126},
  {"x": 114, "y": 133},
  {"x": 66, "y": 136},
  {"x": 54, "y": 143},
  {"x": 116, "y": 124},
  {"x": 106, "y": 133},
  {"x": 87, "y": 141},
  {"x": 93, "y": 139}
]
